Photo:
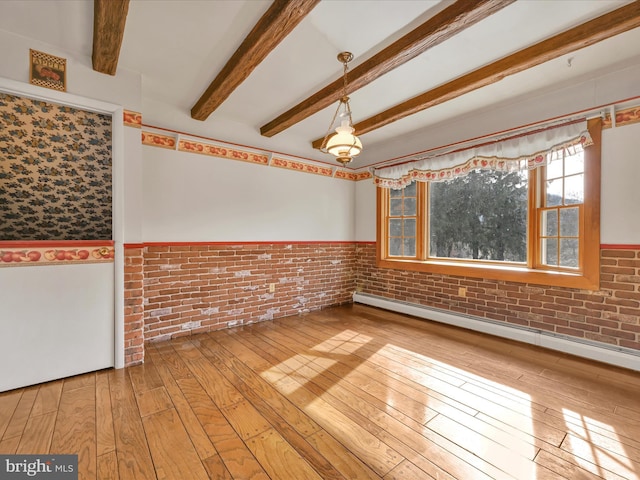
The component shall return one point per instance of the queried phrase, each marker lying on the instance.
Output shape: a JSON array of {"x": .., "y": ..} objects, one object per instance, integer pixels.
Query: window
[
  {"x": 481, "y": 216},
  {"x": 535, "y": 226},
  {"x": 561, "y": 211},
  {"x": 403, "y": 216}
]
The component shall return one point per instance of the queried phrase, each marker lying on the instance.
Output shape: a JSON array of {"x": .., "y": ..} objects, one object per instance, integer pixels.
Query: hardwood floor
[{"x": 345, "y": 393}]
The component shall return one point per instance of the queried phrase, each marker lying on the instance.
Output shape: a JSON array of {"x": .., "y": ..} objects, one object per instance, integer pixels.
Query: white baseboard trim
[{"x": 618, "y": 356}]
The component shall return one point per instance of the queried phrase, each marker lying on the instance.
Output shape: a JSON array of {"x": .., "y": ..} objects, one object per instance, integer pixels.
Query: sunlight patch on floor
[
  {"x": 329, "y": 353},
  {"x": 463, "y": 374},
  {"x": 595, "y": 452},
  {"x": 504, "y": 434},
  {"x": 347, "y": 340}
]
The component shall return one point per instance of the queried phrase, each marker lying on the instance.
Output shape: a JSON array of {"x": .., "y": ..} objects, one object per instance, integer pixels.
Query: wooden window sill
[{"x": 509, "y": 273}]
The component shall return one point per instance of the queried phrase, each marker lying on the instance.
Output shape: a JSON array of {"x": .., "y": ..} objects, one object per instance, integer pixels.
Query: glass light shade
[{"x": 344, "y": 143}]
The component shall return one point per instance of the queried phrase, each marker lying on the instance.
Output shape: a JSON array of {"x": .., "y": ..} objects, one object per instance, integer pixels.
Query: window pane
[
  {"x": 569, "y": 252},
  {"x": 550, "y": 251},
  {"x": 554, "y": 168},
  {"x": 549, "y": 223},
  {"x": 395, "y": 193},
  {"x": 410, "y": 206},
  {"x": 569, "y": 222},
  {"x": 482, "y": 216},
  {"x": 554, "y": 192},
  {"x": 410, "y": 190},
  {"x": 409, "y": 227},
  {"x": 395, "y": 227},
  {"x": 395, "y": 246},
  {"x": 574, "y": 189},
  {"x": 395, "y": 206},
  {"x": 409, "y": 247},
  {"x": 574, "y": 164},
  {"x": 435, "y": 249}
]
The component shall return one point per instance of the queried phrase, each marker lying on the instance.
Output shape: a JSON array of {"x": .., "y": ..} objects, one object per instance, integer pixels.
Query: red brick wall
[
  {"x": 198, "y": 288},
  {"x": 610, "y": 315},
  {"x": 133, "y": 306}
]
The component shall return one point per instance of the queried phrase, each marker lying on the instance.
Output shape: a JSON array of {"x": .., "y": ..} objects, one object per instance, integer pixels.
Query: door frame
[{"x": 116, "y": 112}]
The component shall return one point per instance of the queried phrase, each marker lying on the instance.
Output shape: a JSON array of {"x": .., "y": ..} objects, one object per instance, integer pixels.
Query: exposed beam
[
  {"x": 440, "y": 27},
  {"x": 281, "y": 18},
  {"x": 109, "y": 18},
  {"x": 589, "y": 33}
]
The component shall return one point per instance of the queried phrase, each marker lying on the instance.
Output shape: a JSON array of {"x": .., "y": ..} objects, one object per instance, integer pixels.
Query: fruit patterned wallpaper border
[
  {"x": 174, "y": 142},
  {"x": 201, "y": 148},
  {"x": 625, "y": 116},
  {"x": 132, "y": 119},
  {"x": 155, "y": 140},
  {"x": 302, "y": 167},
  {"x": 28, "y": 253},
  {"x": 356, "y": 177}
]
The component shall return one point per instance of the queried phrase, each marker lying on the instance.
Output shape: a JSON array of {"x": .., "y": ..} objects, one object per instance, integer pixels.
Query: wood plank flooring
[{"x": 345, "y": 393}]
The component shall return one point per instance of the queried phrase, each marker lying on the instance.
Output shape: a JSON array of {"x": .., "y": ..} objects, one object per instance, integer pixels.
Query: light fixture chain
[
  {"x": 345, "y": 97},
  {"x": 323, "y": 147},
  {"x": 344, "y": 79},
  {"x": 343, "y": 100},
  {"x": 343, "y": 144}
]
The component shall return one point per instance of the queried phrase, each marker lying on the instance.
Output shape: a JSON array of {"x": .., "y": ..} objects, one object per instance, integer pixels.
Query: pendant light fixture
[{"x": 343, "y": 144}]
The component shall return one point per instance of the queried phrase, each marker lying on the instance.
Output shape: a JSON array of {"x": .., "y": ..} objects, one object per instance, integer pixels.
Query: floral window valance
[{"x": 521, "y": 152}]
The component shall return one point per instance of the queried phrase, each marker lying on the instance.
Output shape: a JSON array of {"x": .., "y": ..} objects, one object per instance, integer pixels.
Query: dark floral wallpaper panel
[{"x": 55, "y": 172}]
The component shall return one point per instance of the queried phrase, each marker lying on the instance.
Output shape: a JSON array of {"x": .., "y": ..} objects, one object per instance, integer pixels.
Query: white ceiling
[{"x": 179, "y": 46}]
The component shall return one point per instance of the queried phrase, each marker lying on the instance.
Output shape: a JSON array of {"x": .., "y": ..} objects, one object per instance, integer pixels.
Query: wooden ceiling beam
[
  {"x": 613, "y": 23},
  {"x": 440, "y": 27},
  {"x": 277, "y": 22},
  {"x": 109, "y": 18}
]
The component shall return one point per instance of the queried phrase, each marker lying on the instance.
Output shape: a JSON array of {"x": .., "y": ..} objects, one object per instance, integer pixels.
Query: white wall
[
  {"x": 56, "y": 321},
  {"x": 131, "y": 181},
  {"x": 365, "y": 211},
  {"x": 619, "y": 220},
  {"x": 197, "y": 198}
]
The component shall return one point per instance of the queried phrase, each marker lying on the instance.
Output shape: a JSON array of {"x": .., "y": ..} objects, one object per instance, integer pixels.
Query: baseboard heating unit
[{"x": 602, "y": 352}]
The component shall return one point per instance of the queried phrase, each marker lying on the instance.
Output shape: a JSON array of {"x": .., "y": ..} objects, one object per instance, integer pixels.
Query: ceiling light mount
[
  {"x": 345, "y": 57},
  {"x": 343, "y": 144}
]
